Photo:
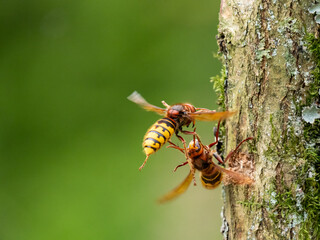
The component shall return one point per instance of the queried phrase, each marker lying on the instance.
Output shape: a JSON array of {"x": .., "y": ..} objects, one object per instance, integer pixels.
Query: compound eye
[
  {"x": 194, "y": 145},
  {"x": 174, "y": 113}
]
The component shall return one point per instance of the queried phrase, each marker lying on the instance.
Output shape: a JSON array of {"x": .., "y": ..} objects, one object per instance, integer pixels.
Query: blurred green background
[{"x": 71, "y": 141}]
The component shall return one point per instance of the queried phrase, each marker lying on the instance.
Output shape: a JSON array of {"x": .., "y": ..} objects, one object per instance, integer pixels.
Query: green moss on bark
[
  {"x": 313, "y": 45},
  {"x": 218, "y": 86}
]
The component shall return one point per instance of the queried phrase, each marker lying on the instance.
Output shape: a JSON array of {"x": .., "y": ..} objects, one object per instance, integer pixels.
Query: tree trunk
[{"x": 271, "y": 54}]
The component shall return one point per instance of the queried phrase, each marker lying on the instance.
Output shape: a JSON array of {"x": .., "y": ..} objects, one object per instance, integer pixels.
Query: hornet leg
[
  {"x": 217, "y": 135},
  {"x": 188, "y": 159},
  {"x": 188, "y": 132},
  {"x": 182, "y": 164},
  {"x": 233, "y": 151},
  {"x": 172, "y": 145},
  {"x": 143, "y": 163}
]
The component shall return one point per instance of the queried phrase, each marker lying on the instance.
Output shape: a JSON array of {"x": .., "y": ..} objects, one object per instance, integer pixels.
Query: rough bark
[{"x": 270, "y": 71}]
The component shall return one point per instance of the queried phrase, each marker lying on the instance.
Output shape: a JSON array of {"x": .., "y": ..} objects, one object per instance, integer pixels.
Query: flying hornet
[{"x": 176, "y": 116}]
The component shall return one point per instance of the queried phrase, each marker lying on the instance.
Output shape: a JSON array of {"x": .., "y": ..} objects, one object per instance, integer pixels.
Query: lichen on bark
[{"x": 271, "y": 73}]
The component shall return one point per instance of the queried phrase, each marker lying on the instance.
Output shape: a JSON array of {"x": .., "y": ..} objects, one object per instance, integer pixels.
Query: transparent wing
[
  {"x": 234, "y": 177},
  {"x": 210, "y": 115},
  {"x": 138, "y": 99},
  {"x": 178, "y": 190}
]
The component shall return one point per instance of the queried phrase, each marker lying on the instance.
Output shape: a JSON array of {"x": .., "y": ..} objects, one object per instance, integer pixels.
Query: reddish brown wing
[
  {"x": 234, "y": 177},
  {"x": 138, "y": 99},
  {"x": 210, "y": 115},
  {"x": 178, "y": 190}
]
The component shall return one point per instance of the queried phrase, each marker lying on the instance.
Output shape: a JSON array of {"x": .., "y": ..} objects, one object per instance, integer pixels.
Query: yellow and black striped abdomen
[
  {"x": 158, "y": 134},
  {"x": 211, "y": 178}
]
